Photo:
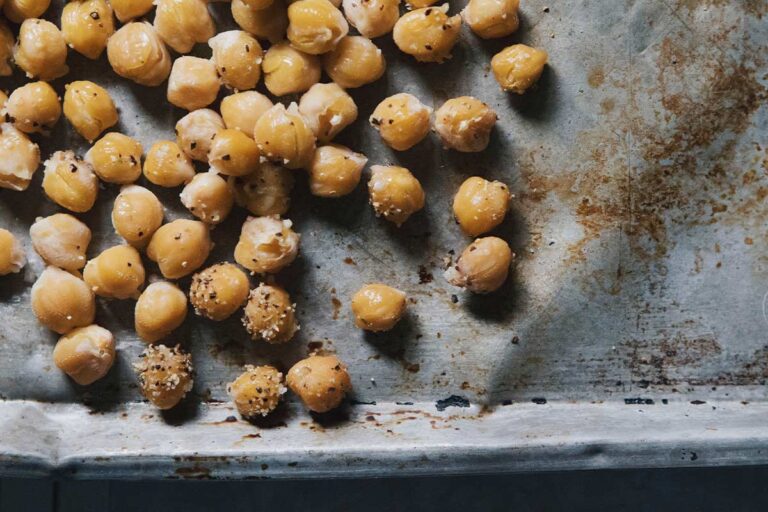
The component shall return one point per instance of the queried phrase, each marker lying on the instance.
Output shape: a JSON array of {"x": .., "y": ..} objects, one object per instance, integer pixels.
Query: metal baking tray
[{"x": 631, "y": 333}]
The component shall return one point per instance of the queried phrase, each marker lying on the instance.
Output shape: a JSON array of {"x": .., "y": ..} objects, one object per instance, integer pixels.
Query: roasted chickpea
[
  {"x": 62, "y": 301},
  {"x": 480, "y": 205},
  {"x": 182, "y": 23},
  {"x": 320, "y": 381},
  {"x": 327, "y": 109},
  {"x": 402, "y": 121},
  {"x": 6, "y": 50},
  {"x": 355, "y": 62},
  {"x": 165, "y": 375},
  {"x": 257, "y": 391},
  {"x": 161, "y": 309},
  {"x": 70, "y": 182},
  {"x": 428, "y": 34},
  {"x": 378, "y": 307},
  {"x": 465, "y": 124},
  {"x": 12, "y": 257},
  {"x": 372, "y": 18},
  {"x": 137, "y": 53},
  {"x": 288, "y": 70},
  {"x": 33, "y": 108},
  {"x": 208, "y": 197},
  {"x": 315, "y": 26},
  {"x": 19, "y": 10},
  {"x": 61, "y": 240},
  {"x": 518, "y": 67},
  {"x": 270, "y": 315},
  {"x": 233, "y": 153},
  {"x": 267, "y": 244},
  {"x": 395, "y": 193},
  {"x": 483, "y": 266},
  {"x": 195, "y": 132},
  {"x": 180, "y": 247},
  {"x": 116, "y": 158},
  {"x": 269, "y": 23},
  {"x": 86, "y": 25},
  {"x": 335, "y": 171},
  {"x": 167, "y": 165},
  {"x": 116, "y": 273},
  {"x": 126, "y": 10},
  {"x": 237, "y": 56},
  {"x": 218, "y": 291},
  {"x": 21, "y": 158},
  {"x": 492, "y": 18},
  {"x": 41, "y": 50},
  {"x": 193, "y": 83},
  {"x": 266, "y": 191},
  {"x": 241, "y": 111},
  {"x": 85, "y": 354},
  {"x": 284, "y": 136},
  {"x": 136, "y": 215},
  {"x": 89, "y": 108}
]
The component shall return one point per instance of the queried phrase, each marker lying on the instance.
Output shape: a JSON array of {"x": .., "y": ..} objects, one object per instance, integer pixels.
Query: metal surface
[{"x": 631, "y": 333}]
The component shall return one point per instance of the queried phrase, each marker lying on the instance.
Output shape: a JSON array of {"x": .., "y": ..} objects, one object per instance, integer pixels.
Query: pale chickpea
[
  {"x": 267, "y": 244},
  {"x": 61, "y": 240},
  {"x": 378, "y": 307},
  {"x": 167, "y": 165},
  {"x": 136, "y": 215},
  {"x": 335, "y": 171},
  {"x": 284, "y": 136},
  {"x": 195, "y": 132},
  {"x": 7, "y": 40},
  {"x": 137, "y": 53},
  {"x": 182, "y": 23},
  {"x": 89, "y": 108},
  {"x": 395, "y": 193},
  {"x": 480, "y": 205},
  {"x": 372, "y": 18},
  {"x": 21, "y": 158},
  {"x": 70, "y": 182},
  {"x": 315, "y": 26},
  {"x": 266, "y": 191},
  {"x": 208, "y": 197},
  {"x": 288, "y": 70},
  {"x": 12, "y": 257},
  {"x": 165, "y": 375},
  {"x": 483, "y": 266},
  {"x": 116, "y": 273},
  {"x": 33, "y": 108},
  {"x": 320, "y": 381},
  {"x": 492, "y": 18},
  {"x": 180, "y": 247},
  {"x": 402, "y": 121},
  {"x": 518, "y": 67},
  {"x": 428, "y": 34},
  {"x": 87, "y": 25},
  {"x": 116, "y": 158},
  {"x": 241, "y": 111},
  {"x": 193, "y": 83},
  {"x": 233, "y": 153},
  {"x": 161, "y": 309},
  {"x": 85, "y": 354},
  {"x": 41, "y": 50},
  {"x": 61, "y": 301},
  {"x": 19, "y": 10},
  {"x": 327, "y": 109},
  {"x": 126, "y": 10},
  {"x": 465, "y": 124},
  {"x": 355, "y": 62},
  {"x": 270, "y": 315},
  {"x": 257, "y": 391},
  {"x": 218, "y": 291},
  {"x": 269, "y": 23},
  {"x": 237, "y": 56}
]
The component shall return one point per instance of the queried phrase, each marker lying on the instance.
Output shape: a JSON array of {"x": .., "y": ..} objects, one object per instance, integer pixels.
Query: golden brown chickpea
[
  {"x": 89, "y": 108},
  {"x": 378, "y": 307},
  {"x": 327, "y": 109},
  {"x": 518, "y": 67},
  {"x": 335, "y": 171},
  {"x": 180, "y": 247},
  {"x": 70, "y": 182},
  {"x": 257, "y": 391},
  {"x": 269, "y": 23},
  {"x": 238, "y": 57},
  {"x": 218, "y": 291},
  {"x": 465, "y": 124},
  {"x": 116, "y": 158},
  {"x": 160, "y": 310},
  {"x": 21, "y": 158},
  {"x": 41, "y": 50},
  {"x": 126, "y": 10},
  {"x": 85, "y": 354},
  {"x": 266, "y": 191},
  {"x": 233, "y": 153},
  {"x": 19, "y": 10},
  {"x": 270, "y": 315},
  {"x": 6, "y": 50},
  {"x": 395, "y": 193},
  {"x": 193, "y": 83},
  {"x": 267, "y": 244},
  {"x": 137, "y": 53},
  {"x": 86, "y": 25},
  {"x": 136, "y": 215},
  {"x": 33, "y": 108},
  {"x": 480, "y": 205},
  {"x": 483, "y": 266},
  {"x": 320, "y": 381},
  {"x": 283, "y": 136},
  {"x": 428, "y": 34},
  {"x": 355, "y": 62},
  {"x": 315, "y": 26},
  {"x": 208, "y": 197},
  {"x": 288, "y": 70},
  {"x": 492, "y": 18},
  {"x": 62, "y": 301},
  {"x": 116, "y": 273},
  {"x": 12, "y": 257},
  {"x": 402, "y": 121},
  {"x": 167, "y": 165},
  {"x": 61, "y": 240},
  {"x": 165, "y": 375},
  {"x": 182, "y": 23},
  {"x": 241, "y": 111},
  {"x": 195, "y": 132},
  {"x": 372, "y": 18}
]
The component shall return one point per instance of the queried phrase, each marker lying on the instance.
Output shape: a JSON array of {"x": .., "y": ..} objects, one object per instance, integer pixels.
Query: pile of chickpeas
[{"x": 252, "y": 147}]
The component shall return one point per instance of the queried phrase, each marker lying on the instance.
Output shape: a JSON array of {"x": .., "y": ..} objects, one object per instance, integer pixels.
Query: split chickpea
[
  {"x": 267, "y": 244},
  {"x": 233, "y": 153},
  {"x": 518, "y": 67},
  {"x": 327, "y": 109},
  {"x": 315, "y": 26},
  {"x": 237, "y": 56},
  {"x": 160, "y": 309},
  {"x": 70, "y": 182},
  {"x": 378, "y": 307},
  {"x": 137, "y": 53},
  {"x": 182, "y": 23},
  {"x": 427, "y": 34},
  {"x": 87, "y": 25},
  {"x": 402, "y": 121},
  {"x": 265, "y": 191},
  {"x": 465, "y": 124},
  {"x": 372, "y": 18},
  {"x": 218, "y": 291},
  {"x": 270, "y": 315},
  {"x": 61, "y": 301},
  {"x": 167, "y": 165},
  {"x": 483, "y": 266},
  {"x": 41, "y": 50},
  {"x": 89, "y": 108},
  {"x": 480, "y": 205},
  {"x": 288, "y": 70},
  {"x": 180, "y": 247},
  {"x": 85, "y": 354},
  {"x": 208, "y": 197},
  {"x": 136, "y": 215},
  {"x": 126, "y": 10},
  {"x": 195, "y": 132},
  {"x": 257, "y": 391},
  {"x": 61, "y": 240},
  {"x": 116, "y": 158},
  {"x": 356, "y": 61},
  {"x": 395, "y": 193},
  {"x": 269, "y": 23},
  {"x": 116, "y": 273},
  {"x": 165, "y": 375},
  {"x": 33, "y": 108},
  {"x": 19, "y": 10},
  {"x": 492, "y": 18},
  {"x": 7, "y": 40},
  {"x": 241, "y": 111},
  {"x": 21, "y": 158},
  {"x": 193, "y": 83},
  {"x": 335, "y": 171},
  {"x": 12, "y": 257},
  {"x": 284, "y": 136},
  {"x": 320, "y": 381}
]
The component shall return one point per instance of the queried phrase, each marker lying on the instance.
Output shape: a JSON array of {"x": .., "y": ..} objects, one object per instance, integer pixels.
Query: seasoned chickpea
[
  {"x": 480, "y": 205},
  {"x": 89, "y": 108},
  {"x": 218, "y": 291},
  {"x": 62, "y": 301},
  {"x": 355, "y": 62},
  {"x": 33, "y": 108},
  {"x": 465, "y": 124},
  {"x": 126, "y": 10},
  {"x": 483, "y": 266},
  {"x": 335, "y": 171},
  {"x": 61, "y": 240},
  {"x": 233, "y": 153},
  {"x": 167, "y": 165},
  {"x": 19, "y": 10},
  {"x": 492, "y": 18},
  {"x": 372, "y": 18},
  {"x": 269, "y": 23},
  {"x": 165, "y": 375},
  {"x": 320, "y": 381},
  {"x": 161, "y": 309},
  {"x": 284, "y": 136},
  {"x": 237, "y": 56},
  {"x": 85, "y": 354},
  {"x": 315, "y": 26},
  {"x": 70, "y": 182},
  {"x": 518, "y": 67},
  {"x": 257, "y": 391},
  {"x": 270, "y": 315},
  {"x": 116, "y": 158},
  {"x": 193, "y": 83},
  {"x": 327, "y": 109},
  {"x": 266, "y": 191},
  {"x": 395, "y": 193},
  {"x": 267, "y": 244},
  {"x": 180, "y": 247},
  {"x": 428, "y": 34},
  {"x": 289, "y": 71},
  {"x": 137, "y": 53},
  {"x": 402, "y": 121},
  {"x": 195, "y": 132},
  {"x": 6, "y": 50},
  {"x": 21, "y": 158},
  {"x": 41, "y": 50},
  {"x": 182, "y": 23},
  {"x": 378, "y": 307},
  {"x": 241, "y": 111},
  {"x": 116, "y": 273},
  {"x": 136, "y": 215},
  {"x": 86, "y": 25},
  {"x": 12, "y": 257},
  {"x": 208, "y": 197}
]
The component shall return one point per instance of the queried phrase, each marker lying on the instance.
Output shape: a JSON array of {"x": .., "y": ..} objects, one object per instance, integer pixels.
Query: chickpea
[
  {"x": 483, "y": 266},
  {"x": 395, "y": 193},
  {"x": 195, "y": 132},
  {"x": 266, "y": 191},
  {"x": 465, "y": 124},
  {"x": 70, "y": 182},
  {"x": 480, "y": 205},
  {"x": 372, "y": 18},
  {"x": 3, "y": 99},
  {"x": 19, "y": 10},
  {"x": 12, "y": 257},
  {"x": 288, "y": 70},
  {"x": 258, "y": 5},
  {"x": 402, "y": 121},
  {"x": 428, "y": 34},
  {"x": 267, "y": 244},
  {"x": 89, "y": 108},
  {"x": 6, "y": 50},
  {"x": 165, "y": 375},
  {"x": 237, "y": 56},
  {"x": 193, "y": 83},
  {"x": 136, "y": 215},
  {"x": 161, "y": 309},
  {"x": 270, "y": 315},
  {"x": 218, "y": 291},
  {"x": 518, "y": 67},
  {"x": 241, "y": 111},
  {"x": 86, "y": 25},
  {"x": 61, "y": 240},
  {"x": 41, "y": 50},
  {"x": 33, "y": 108},
  {"x": 167, "y": 165},
  {"x": 137, "y": 53},
  {"x": 182, "y": 23},
  {"x": 180, "y": 247},
  {"x": 257, "y": 391},
  {"x": 269, "y": 23},
  {"x": 233, "y": 153},
  {"x": 62, "y": 301},
  {"x": 85, "y": 354},
  {"x": 327, "y": 109},
  {"x": 335, "y": 171},
  {"x": 355, "y": 61},
  {"x": 126, "y": 10},
  {"x": 378, "y": 307},
  {"x": 320, "y": 381},
  {"x": 283, "y": 136},
  {"x": 116, "y": 158},
  {"x": 116, "y": 273},
  {"x": 21, "y": 158},
  {"x": 419, "y": 4},
  {"x": 208, "y": 197},
  {"x": 315, "y": 26},
  {"x": 492, "y": 18}
]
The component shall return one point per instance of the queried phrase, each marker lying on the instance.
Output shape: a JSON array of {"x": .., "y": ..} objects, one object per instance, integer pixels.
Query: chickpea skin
[
  {"x": 483, "y": 266},
  {"x": 116, "y": 273},
  {"x": 87, "y": 25},
  {"x": 6, "y": 50},
  {"x": 165, "y": 375},
  {"x": 335, "y": 171},
  {"x": 428, "y": 34},
  {"x": 116, "y": 158},
  {"x": 480, "y": 205},
  {"x": 167, "y": 165},
  {"x": 89, "y": 108},
  {"x": 395, "y": 193},
  {"x": 315, "y": 26},
  {"x": 182, "y": 23},
  {"x": 257, "y": 391},
  {"x": 21, "y": 158},
  {"x": 61, "y": 301},
  {"x": 85, "y": 354},
  {"x": 465, "y": 124},
  {"x": 61, "y": 240},
  {"x": 196, "y": 131},
  {"x": 402, "y": 121},
  {"x": 218, "y": 291},
  {"x": 193, "y": 83},
  {"x": 378, "y": 307},
  {"x": 320, "y": 381},
  {"x": 492, "y": 18},
  {"x": 126, "y": 10},
  {"x": 266, "y": 191},
  {"x": 70, "y": 182},
  {"x": 270, "y": 315},
  {"x": 267, "y": 244},
  {"x": 41, "y": 50},
  {"x": 137, "y": 53},
  {"x": 284, "y": 136},
  {"x": 237, "y": 56},
  {"x": 355, "y": 62},
  {"x": 19, "y": 10},
  {"x": 327, "y": 109},
  {"x": 208, "y": 198},
  {"x": 233, "y": 153},
  {"x": 180, "y": 247},
  {"x": 241, "y": 111},
  {"x": 160, "y": 310},
  {"x": 136, "y": 215},
  {"x": 12, "y": 257},
  {"x": 372, "y": 18},
  {"x": 518, "y": 67},
  {"x": 269, "y": 23},
  {"x": 33, "y": 108},
  {"x": 288, "y": 70}
]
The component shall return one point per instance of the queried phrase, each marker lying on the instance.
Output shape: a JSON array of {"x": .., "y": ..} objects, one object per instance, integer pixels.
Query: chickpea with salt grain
[
  {"x": 180, "y": 247},
  {"x": 335, "y": 171},
  {"x": 320, "y": 381},
  {"x": 33, "y": 108},
  {"x": 395, "y": 193},
  {"x": 427, "y": 34},
  {"x": 116, "y": 273},
  {"x": 355, "y": 62},
  {"x": 193, "y": 83},
  {"x": 267, "y": 244},
  {"x": 89, "y": 108},
  {"x": 402, "y": 121},
  {"x": 518, "y": 67},
  {"x": 465, "y": 124},
  {"x": 116, "y": 158},
  {"x": 208, "y": 197},
  {"x": 480, "y": 205},
  {"x": 284, "y": 136},
  {"x": 167, "y": 165},
  {"x": 492, "y": 18},
  {"x": 237, "y": 56},
  {"x": 61, "y": 301},
  {"x": 233, "y": 153},
  {"x": 270, "y": 315},
  {"x": 257, "y": 391},
  {"x": 288, "y": 70},
  {"x": 41, "y": 50},
  {"x": 61, "y": 240},
  {"x": 195, "y": 132},
  {"x": 85, "y": 354},
  {"x": 265, "y": 191},
  {"x": 218, "y": 291},
  {"x": 87, "y": 25},
  {"x": 327, "y": 109},
  {"x": 165, "y": 375},
  {"x": 372, "y": 18}
]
